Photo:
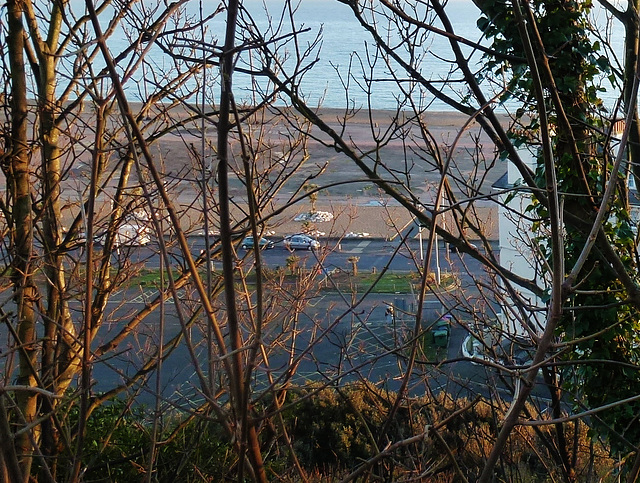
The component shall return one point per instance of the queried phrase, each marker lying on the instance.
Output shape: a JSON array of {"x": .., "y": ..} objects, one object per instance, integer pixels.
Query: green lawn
[{"x": 390, "y": 282}]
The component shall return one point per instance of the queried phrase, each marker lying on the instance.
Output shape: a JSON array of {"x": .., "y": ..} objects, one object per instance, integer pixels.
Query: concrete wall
[{"x": 518, "y": 252}]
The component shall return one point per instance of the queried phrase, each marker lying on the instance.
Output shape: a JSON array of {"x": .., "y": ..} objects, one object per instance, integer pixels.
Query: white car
[{"x": 301, "y": 242}]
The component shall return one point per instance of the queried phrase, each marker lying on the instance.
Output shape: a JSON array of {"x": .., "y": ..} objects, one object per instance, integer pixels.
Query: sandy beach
[{"x": 359, "y": 207}]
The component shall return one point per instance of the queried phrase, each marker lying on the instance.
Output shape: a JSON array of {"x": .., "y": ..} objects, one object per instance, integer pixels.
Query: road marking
[
  {"x": 360, "y": 247},
  {"x": 142, "y": 297},
  {"x": 317, "y": 301}
]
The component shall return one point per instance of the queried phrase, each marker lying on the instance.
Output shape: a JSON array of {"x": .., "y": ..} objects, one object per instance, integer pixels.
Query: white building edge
[{"x": 518, "y": 246}]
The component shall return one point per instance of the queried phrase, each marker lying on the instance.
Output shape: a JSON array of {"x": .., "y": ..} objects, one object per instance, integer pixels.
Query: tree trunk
[
  {"x": 19, "y": 184},
  {"x": 60, "y": 347},
  {"x": 249, "y": 442}
]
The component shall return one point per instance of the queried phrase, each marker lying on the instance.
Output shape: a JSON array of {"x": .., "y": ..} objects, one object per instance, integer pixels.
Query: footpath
[{"x": 367, "y": 218}]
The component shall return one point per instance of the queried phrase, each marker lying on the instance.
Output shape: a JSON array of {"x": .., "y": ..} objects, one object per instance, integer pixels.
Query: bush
[
  {"x": 118, "y": 442},
  {"x": 332, "y": 431}
]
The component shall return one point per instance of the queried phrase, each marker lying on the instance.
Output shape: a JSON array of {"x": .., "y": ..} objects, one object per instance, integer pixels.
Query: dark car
[{"x": 248, "y": 243}]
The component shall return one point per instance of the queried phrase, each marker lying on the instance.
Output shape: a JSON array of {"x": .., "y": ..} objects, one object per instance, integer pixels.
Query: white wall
[{"x": 517, "y": 251}]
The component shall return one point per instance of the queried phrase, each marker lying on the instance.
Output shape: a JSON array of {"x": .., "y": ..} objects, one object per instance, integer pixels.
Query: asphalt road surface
[
  {"x": 335, "y": 342},
  {"x": 373, "y": 253}
]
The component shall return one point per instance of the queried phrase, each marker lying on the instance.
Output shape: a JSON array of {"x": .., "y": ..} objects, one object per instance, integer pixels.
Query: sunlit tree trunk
[
  {"x": 60, "y": 346},
  {"x": 19, "y": 183}
]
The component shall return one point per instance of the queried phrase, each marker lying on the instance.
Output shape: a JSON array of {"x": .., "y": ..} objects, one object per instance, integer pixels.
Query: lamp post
[
  {"x": 438, "y": 200},
  {"x": 437, "y": 259},
  {"x": 437, "y": 249}
]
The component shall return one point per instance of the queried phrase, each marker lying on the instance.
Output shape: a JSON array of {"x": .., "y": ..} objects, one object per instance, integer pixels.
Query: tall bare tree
[
  {"x": 84, "y": 188},
  {"x": 92, "y": 136}
]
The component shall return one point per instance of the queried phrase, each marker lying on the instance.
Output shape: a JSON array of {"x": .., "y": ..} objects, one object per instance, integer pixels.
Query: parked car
[
  {"x": 300, "y": 242},
  {"x": 248, "y": 243}
]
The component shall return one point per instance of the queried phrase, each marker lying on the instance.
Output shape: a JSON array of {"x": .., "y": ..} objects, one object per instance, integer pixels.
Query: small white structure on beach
[{"x": 132, "y": 234}]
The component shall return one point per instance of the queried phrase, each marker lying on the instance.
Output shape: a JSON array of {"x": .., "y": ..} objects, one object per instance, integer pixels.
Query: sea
[{"x": 345, "y": 55}]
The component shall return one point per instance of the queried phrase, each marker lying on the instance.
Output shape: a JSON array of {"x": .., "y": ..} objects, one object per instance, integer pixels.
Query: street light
[{"x": 438, "y": 274}]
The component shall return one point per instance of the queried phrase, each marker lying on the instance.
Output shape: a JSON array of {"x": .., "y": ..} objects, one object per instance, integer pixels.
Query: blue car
[{"x": 248, "y": 244}]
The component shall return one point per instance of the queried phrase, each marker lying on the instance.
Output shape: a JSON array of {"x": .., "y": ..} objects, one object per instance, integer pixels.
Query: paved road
[
  {"x": 373, "y": 253},
  {"x": 333, "y": 343},
  {"x": 332, "y": 339}
]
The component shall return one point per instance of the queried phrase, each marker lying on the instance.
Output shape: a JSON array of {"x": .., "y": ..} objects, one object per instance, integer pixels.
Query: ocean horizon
[{"x": 345, "y": 47}]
